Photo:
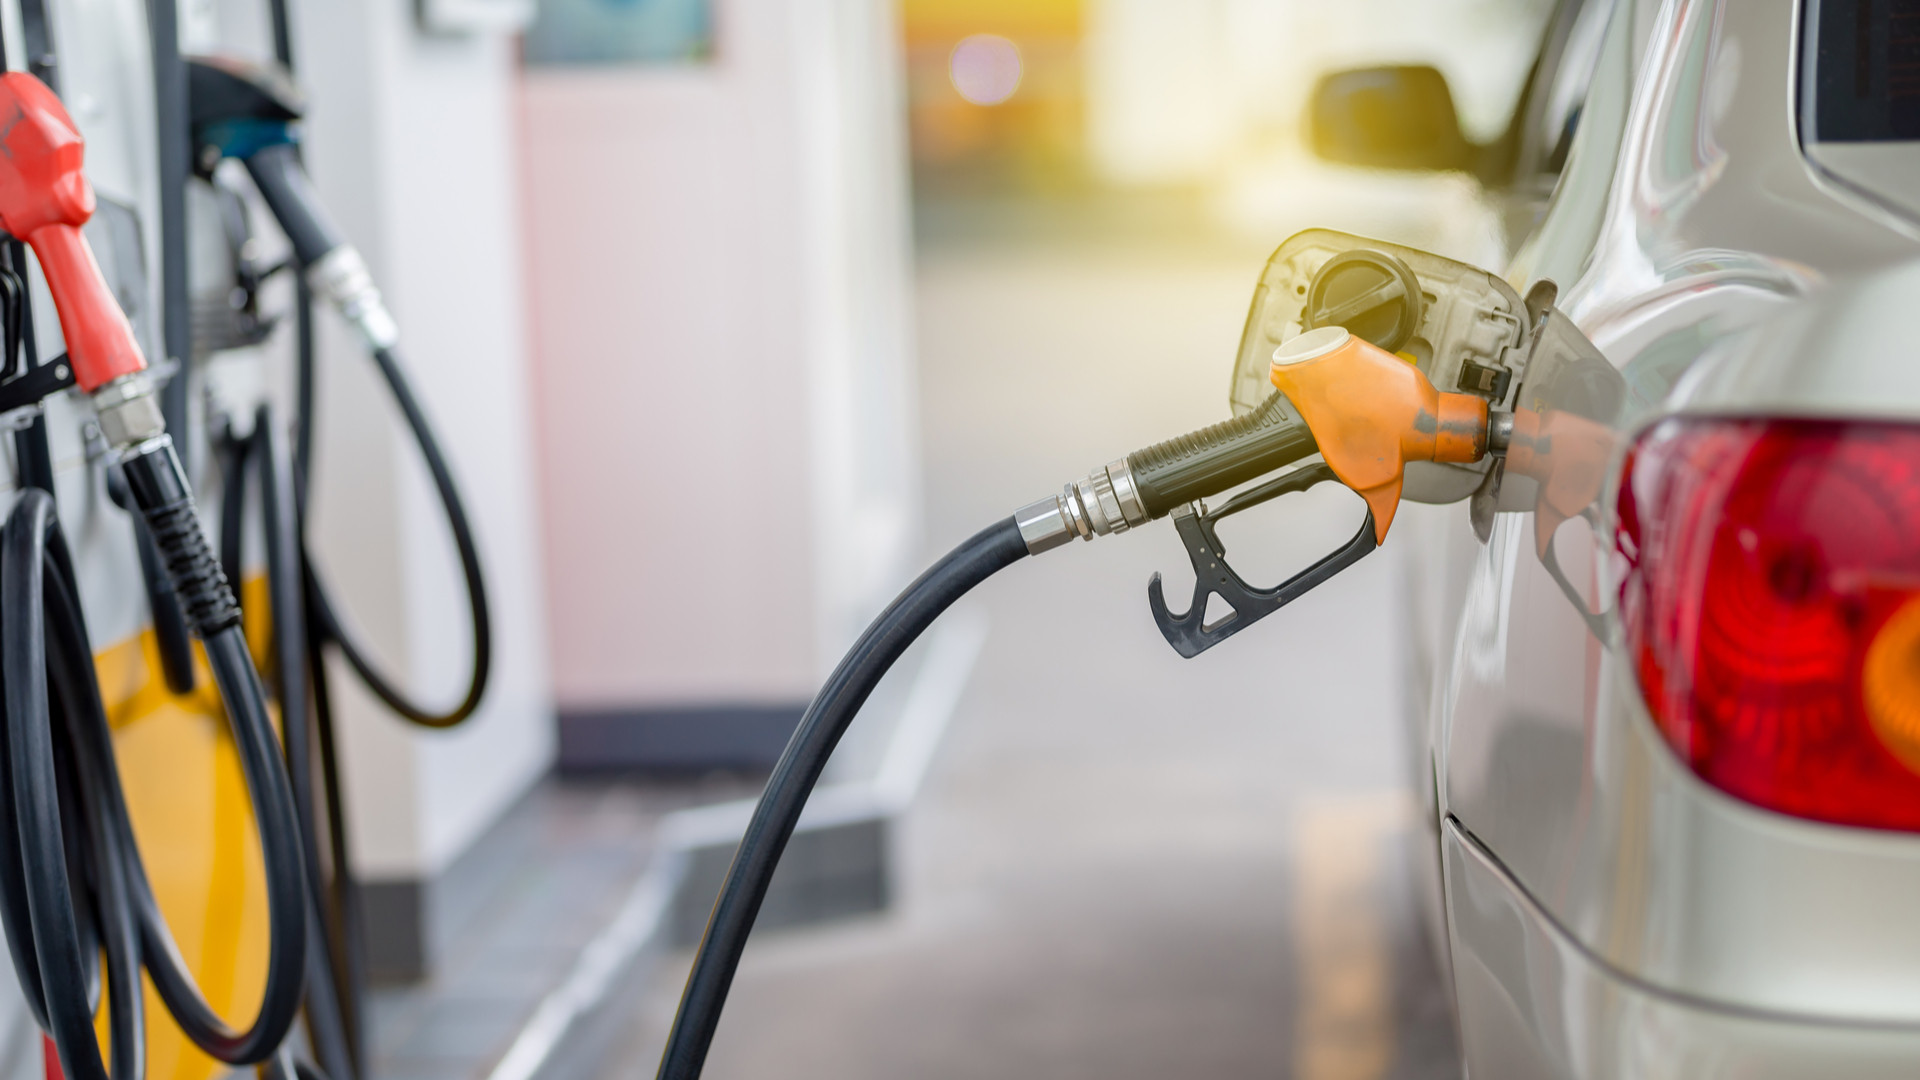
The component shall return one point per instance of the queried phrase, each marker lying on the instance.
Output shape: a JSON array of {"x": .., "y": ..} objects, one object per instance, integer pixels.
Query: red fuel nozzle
[{"x": 44, "y": 200}]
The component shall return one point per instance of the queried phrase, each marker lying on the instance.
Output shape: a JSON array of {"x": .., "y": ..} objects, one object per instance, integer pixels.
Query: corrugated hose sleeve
[{"x": 160, "y": 490}]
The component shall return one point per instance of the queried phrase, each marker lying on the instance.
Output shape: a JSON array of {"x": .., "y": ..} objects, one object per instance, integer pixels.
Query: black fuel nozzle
[
  {"x": 1170, "y": 478},
  {"x": 250, "y": 112}
]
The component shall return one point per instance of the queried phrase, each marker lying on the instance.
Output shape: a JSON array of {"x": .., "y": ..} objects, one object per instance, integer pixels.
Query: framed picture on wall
[
  {"x": 474, "y": 16},
  {"x": 613, "y": 32}
]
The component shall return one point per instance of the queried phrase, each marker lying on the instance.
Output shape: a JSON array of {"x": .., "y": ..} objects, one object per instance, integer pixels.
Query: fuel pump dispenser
[
  {"x": 1338, "y": 377},
  {"x": 60, "y": 797},
  {"x": 78, "y": 892},
  {"x": 249, "y": 113}
]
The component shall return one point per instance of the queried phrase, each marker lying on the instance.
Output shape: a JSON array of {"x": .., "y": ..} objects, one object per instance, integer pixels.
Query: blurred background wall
[{"x": 718, "y": 251}]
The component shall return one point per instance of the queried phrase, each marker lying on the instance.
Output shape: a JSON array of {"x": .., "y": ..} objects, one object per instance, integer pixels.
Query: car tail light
[{"x": 1771, "y": 608}]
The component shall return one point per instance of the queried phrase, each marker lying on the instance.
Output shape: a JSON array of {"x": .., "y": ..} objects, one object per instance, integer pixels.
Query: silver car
[{"x": 1669, "y": 678}]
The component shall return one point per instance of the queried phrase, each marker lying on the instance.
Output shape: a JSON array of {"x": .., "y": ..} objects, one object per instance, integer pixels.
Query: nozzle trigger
[{"x": 1188, "y": 632}]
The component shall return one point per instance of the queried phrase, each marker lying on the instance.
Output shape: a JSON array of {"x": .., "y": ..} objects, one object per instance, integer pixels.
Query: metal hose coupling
[
  {"x": 128, "y": 411},
  {"x": 1107, "y": 501},
  {"x": 341, "y": 276}
]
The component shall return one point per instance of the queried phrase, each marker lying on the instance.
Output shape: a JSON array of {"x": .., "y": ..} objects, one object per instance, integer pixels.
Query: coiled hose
[{"x": 61, "y": 801}]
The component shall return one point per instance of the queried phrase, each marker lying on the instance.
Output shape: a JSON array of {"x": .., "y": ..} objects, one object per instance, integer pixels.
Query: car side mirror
[{"x": 1388, "y": 118}]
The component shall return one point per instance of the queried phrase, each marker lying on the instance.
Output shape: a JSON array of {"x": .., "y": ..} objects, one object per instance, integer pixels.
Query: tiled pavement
[{"x": 511, "y": 916}]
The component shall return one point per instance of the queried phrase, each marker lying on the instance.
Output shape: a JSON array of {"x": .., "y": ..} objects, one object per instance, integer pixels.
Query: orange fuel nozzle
[
  {"x": 1371, "y": 413},
  {"x": 1567, "y": 456}
]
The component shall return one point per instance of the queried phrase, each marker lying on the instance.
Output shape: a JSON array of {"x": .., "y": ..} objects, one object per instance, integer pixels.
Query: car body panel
[
  {"x": 1717, "y": 271},
  {"x": 1534, "y": 1005}
]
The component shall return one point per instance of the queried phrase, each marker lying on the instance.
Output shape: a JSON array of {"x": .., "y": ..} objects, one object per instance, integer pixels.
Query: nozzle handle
[{"x": 1211, "y": 460}]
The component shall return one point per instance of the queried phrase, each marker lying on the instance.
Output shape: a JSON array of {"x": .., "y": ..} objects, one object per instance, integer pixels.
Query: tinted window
[{"x": 1865, "y": 67}]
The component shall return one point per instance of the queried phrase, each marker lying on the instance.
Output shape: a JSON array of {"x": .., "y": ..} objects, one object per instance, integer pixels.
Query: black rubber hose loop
[
  {"x": 77, "y": 695},
  {"x": 160, "y": 489},
  {"x": 285, "y": 879},
  {"x": 979, "y": 558},
  {"x": 332, "y": 993},
  {"x": 289, "y": 194},
  {"x": 357, "y": 656},
  {"x": 63, "y": 970}
]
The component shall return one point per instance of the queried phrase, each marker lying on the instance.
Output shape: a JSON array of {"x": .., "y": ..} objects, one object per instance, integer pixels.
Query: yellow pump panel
[{"x": 194, "y": 820}]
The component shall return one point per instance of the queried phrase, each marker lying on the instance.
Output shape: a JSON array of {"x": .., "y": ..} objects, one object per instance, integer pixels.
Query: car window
[
  {"x": 1865, "y": 68},
  {"x": 1860, "y": 97}
]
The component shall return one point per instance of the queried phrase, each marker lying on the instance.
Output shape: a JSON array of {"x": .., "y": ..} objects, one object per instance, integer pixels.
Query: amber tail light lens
[{"x": 1771, "y": 608}]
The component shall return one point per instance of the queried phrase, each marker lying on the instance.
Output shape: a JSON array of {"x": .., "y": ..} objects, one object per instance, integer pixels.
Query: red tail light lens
[{"x": 1772, "y": 609}]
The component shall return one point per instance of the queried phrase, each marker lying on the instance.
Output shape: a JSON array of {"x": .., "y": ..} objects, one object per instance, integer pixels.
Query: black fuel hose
[
  {"x": 357, "y": 655},
  {"x": 1197, "y": 465},
  {"x": 289, "y": 194},
  {"x": 344, "y": 934},
  {"x": 334, "y": 990},
  {"x": 172, "y": 640},
  {"x": 64, "y": 895},
  {"x": 979, "y": 558},
  {"x": 75, "y": 885},
  {"x": 159, "y": 488}
]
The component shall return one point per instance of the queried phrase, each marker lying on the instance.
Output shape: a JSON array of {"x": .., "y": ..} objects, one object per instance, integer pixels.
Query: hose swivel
[
  {"x": 342, "y": 277},
  {"x": 129, "y": 411},
  {"x": 1107, "y": 501}
]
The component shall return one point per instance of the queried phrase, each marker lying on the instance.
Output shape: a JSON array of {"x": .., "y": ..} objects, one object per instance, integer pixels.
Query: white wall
[
  {"x": 719, "y": 264},
  {"x": 412, "y": 143}
]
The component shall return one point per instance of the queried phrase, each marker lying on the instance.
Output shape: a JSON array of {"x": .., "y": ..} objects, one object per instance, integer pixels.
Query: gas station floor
[{"x": 1123, "y": 864}]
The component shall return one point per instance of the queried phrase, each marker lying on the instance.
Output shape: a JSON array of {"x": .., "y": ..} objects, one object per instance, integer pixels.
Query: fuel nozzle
[
  {"x": 1366, "y": 412},
  {"x": 251, "y": 113},
  {"x": 45, "y": 199}
]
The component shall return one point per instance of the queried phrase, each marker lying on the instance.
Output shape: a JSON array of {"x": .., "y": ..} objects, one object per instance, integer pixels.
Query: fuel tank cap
[{"x": 1371, "y": 293}]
